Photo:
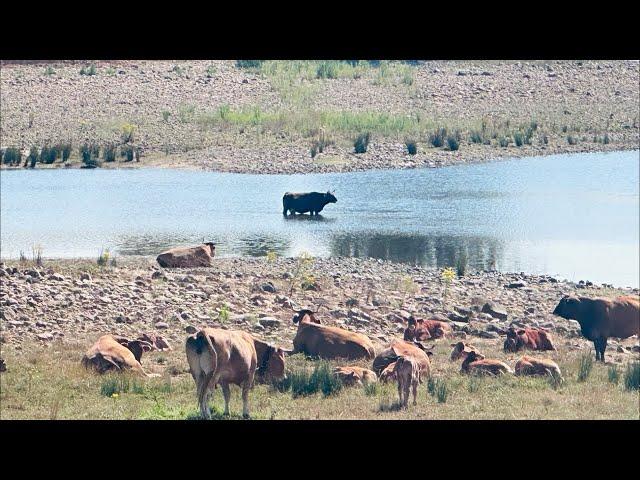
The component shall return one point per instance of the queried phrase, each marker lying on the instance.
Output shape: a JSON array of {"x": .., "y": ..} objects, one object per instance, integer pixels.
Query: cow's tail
[{"x": 204, "y": 342}]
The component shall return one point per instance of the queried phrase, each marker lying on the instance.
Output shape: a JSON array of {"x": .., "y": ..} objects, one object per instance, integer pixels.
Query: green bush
[
  {"x": 503, "y": 142},
  {"x": 606, "y": 139},
  {"x": 303, "y": 383},
  {"x": 48, "y": 155},
  {"x": 436, "y": 138},
  {"x": 453, "y": 143},
  {"x": 518, "y": 139},
  {"x": 252, "y": 64},
  {"x": 572, "y": 140},
  {"x": 109, "y": 152},
  {"x": 327, "y": 69},
  {"x": 127, "y": 151},
  {"x": 412, "y": 147},
  {"x": 361, "y": 143},
  {"x": 33, "y": 157},
  {"x": 585, "y": 366},
  {"x": 614, "y": 374},
  {"x": 88, "y": 70},
  {"x": 12, "y": 156},
  {"x": 461, "y": 264},
  {"x": 476, "y": 137},
  {"x": 49, "y": 71},
  {"x": 65, "y": 148},
  {"x": 371, "y": 389},
  {"x": 632, "y": 376}
]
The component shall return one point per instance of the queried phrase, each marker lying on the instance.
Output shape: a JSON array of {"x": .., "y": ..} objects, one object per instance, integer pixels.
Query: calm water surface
[{"x": 574, "y": 216}]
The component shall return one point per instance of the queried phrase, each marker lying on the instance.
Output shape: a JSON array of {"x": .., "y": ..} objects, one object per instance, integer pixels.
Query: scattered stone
[
  {"x": 496, "y": 311},
  {"x": 270, "y": 322},
  {"x": 161, "y": 325}
]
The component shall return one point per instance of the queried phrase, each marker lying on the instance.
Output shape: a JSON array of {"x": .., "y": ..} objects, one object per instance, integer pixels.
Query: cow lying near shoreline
[
  {"x": 420, "y": 329},
  {"x": 537, "y": 366},
  {"x": 312, "y": 202},
  {"x": 476, "y": 364},
  {"x": 528, "y": 338},
  {"x": 222, "y": 357},
  {"x": 601, "y": 318},
  {"x": 324, "y": 341},
  {"x": 115, "y": 353}
]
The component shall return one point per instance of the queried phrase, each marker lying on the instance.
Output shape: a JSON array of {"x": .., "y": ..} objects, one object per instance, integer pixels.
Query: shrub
[
  {"x": 437, "y": 137},
  {"x": 127, "y": 132},
  {"x": 127, "y": 151},
  {"x": 223, "y": 314},
  {"x": 321, "y": 379},
  {"x": 371, "y": 389},
  {"x": 412, "y": 147},
  {"x": 461, "y": 264},
  {"x": 178, "y": 69},
  {"x": 545, "y": 139},
  {"x": 361, "y": 143},
  {"x": 503, "y": 142},
  {"x": 36, "y": 254},
  {"x": 476, "y": 137},
  {"x": 65, "y": 148},
  {"x": 165, "y": 115},
  {"x": 564, "y": 129},
  {"x": 85, "y": 153},
  {"x": 442, "y": 391},
  {"x": 12, "y": 156},
  {"x": 614, "y": 374},
  {"x": 103, "y": 258},
  {"x": 585, "y": 366},
  {"x": 250, "y": 64},
  {"x": 518, "y": 139},
  {"x": 34, "y": 154},
  {"x": 453, "y": 143},
  {"x": 326, "y": 69},
  {"x": 109, "y": 152},
  {"x": 48, "y": 155},
  {"x": 632, "y": 376},
  {"x": 474, "y": 384},
  {"x": 111, "y": 71},
  {"x": 606, "y": 139},
  {"x": 211, "y": 71},
  {"x": 88, "y": 70},
  {"x": 572, "y": 140},
  {"x": 49, "y": 71}
]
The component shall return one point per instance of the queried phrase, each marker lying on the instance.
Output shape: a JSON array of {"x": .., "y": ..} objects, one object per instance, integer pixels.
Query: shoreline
[{"x": 286, "y": 169}]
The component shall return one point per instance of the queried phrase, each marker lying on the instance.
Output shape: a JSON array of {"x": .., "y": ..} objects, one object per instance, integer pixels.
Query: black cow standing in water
[{"x": 312, "y": 202}]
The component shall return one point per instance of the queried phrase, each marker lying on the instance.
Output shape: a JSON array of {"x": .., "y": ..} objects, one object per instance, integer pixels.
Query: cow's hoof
[{"x": 246, "y": 416}]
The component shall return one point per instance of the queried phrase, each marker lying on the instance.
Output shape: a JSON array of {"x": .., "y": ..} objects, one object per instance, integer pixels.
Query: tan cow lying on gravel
[
  {"x": 328, "y": 342},
  {"x": 537, "y": 366},
  {"x": 461, "y": 350},
  {"x": 407, "y": 372},
  {"x": 476, "y": 364},
  {"x": 115, "y": 353},
  {"x": 355, "y": 375},
  {"x": 222, "y": 357}
]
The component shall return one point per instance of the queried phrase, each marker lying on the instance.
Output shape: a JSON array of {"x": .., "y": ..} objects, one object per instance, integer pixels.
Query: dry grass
[{"x": 49, "y": 383}]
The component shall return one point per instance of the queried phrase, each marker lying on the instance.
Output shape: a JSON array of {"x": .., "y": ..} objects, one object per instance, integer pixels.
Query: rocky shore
[
  {"x": 70, "y": 300},
  {"x": 574, "y": 105}
]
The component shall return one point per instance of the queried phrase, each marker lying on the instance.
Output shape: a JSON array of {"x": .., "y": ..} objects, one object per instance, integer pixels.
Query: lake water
[{"x": 573, "y": 216}]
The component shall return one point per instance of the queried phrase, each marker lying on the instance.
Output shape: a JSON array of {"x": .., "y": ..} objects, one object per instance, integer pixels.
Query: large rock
[
  {"x": 495, "y": 310},
  {"x": 188, "y": 257}
]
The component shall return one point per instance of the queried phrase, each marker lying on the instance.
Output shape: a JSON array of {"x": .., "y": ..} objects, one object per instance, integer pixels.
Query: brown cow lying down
[
  {"x": 476, "y": 364},
  {"x": 461, "y": 350},
  {"x": 188, "y": 257},
  {"x": 355, "y": 375},
  {"x": 222, "y": 357},
  {"x": 537, "y": 366},
  {"x": 328, "y": 342},
  {"x": 109, "y": 353},
  {"x": 407, "y": 371},
  {"x": 270, "y": 361},
  {"x": 388, "y": 374},
  {"x": 401, "y": 348},
  {"x": 420, "y": 329},
  {"x": 601, "y": 318},
  {"x": 528, "y": 338}
]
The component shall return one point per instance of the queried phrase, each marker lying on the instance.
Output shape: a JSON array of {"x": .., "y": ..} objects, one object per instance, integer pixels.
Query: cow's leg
[
  {"x": 603, "y": 347},
  {"x": 596, "y": 344},
  {"x": 245, "y": 399},
  {"x": 203, "y": 397},
  {"x": 415, "y": 392},
  {"x": 400, "y": 392},
  {"x": 226, "y": 391}
]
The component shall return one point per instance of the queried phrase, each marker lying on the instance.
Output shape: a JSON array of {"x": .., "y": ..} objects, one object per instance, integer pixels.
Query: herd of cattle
[{"x": 225, "y": 357}]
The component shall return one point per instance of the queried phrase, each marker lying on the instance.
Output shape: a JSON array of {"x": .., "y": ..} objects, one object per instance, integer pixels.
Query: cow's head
[
  {"x": 272, "y": 366},
  {"x": 515, "y": 340},
  {"x": 330, "y": 197},
  {"x": 212, "y": 246},
  {"x": 472, "y": 356},
  {"x": 569, "y": 307},
  {"x": 136, "y": 347},
  {"x": 460, "y": 350},
  {"x": 305, "y": 316}
]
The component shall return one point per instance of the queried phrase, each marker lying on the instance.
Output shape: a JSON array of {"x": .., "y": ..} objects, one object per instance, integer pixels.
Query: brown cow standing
[
  {"x": 528, "y": 338},
  {"x": 420, "y": 329},
  {"x": 355, "y": 375},
  {"x": 461, "y": 350},
  {"x": 222, "y": 357},
  {"x": 601, "y": 318},
  {"x": 475, "y": 363},
  {"x": 328, "y": 342},
  {"x": 115, "y": 353},
  {"x": 407, "y": 370},
  {"x": 537, "y": 366},
  {"x": 401, "y": 348}
]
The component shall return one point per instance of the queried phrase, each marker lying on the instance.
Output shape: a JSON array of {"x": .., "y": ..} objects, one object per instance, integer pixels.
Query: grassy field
[{"x": 49, "y": 383}]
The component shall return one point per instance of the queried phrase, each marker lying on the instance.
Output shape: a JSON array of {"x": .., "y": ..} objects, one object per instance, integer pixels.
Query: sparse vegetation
[
  {"x": 453, "y": 142},
  {"x": 585, "y": 366},
  {"x": 437, "y": 137},
  {"x": 249, "y": 64},
  {"x": 109, "y": 152},
  {"x": 632, "y": 376},
  {"x": 12, "y": 156},
  {"x": 103, "y": 258},
  {"x": 571, "y": 140},
  {"x": 361, "y": 143},
  {"x": 614, "y": 374},
  {"x": 412, "y": 147},
  {"x": 88, "y": 70}
]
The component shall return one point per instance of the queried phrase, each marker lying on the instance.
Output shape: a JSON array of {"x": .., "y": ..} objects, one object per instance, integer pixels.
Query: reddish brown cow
[
  {"x": 476, "y": 364},
  {"x": 324, "y": 341},
  {"x": 528, "y": 338},
  {"x": 420, "y": 329},
  {"x": 461, "y": 350}
]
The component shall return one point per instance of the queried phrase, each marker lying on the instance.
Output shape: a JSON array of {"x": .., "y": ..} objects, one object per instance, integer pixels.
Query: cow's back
[
  {"x": 236, "y": 354},
  {"x": 624, "y": 317},
  {"x": 332, "y": 342}
]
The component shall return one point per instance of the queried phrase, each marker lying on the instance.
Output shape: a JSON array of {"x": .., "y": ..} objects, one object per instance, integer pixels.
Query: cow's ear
[{"x": 429, "y": 354}]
